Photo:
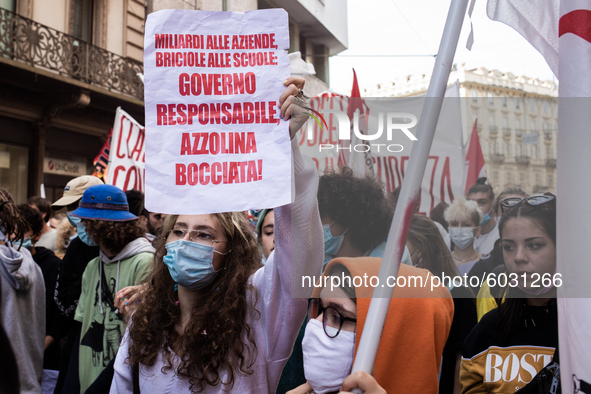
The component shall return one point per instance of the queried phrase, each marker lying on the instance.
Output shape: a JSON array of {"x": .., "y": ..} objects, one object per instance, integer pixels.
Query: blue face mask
[
  {"x": 190, "y": 264},
  {"x": 331, "y": 244},
  {"x": 26, "y": 243},
  {"x": 80, "y": 229},
  {"x": 485, "y": 219}
]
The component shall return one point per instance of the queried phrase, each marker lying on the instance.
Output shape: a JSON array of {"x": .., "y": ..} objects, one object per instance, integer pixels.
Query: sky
[{"x": 414, "y": 27}]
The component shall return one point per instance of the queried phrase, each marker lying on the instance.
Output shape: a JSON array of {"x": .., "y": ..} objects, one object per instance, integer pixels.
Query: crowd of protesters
[{"x": 109, "y": 297}]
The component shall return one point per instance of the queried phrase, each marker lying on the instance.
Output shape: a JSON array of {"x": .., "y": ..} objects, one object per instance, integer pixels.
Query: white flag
[{"x": 561, "y": 32}]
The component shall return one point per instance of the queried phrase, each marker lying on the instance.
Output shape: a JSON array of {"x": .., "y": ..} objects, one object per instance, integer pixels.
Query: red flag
[
  {"x": 474, "y": 160},
  {"x": 355, "y": 102}
]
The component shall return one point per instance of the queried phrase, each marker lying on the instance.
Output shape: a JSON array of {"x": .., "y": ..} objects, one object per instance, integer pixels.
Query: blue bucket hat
[{"x": 104, "y": 202}]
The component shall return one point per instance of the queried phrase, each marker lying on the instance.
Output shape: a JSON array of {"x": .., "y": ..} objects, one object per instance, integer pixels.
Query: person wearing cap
[
  {"x": 69, "y": 283},
  {"x": 125, "y": 259},
  {"x": 415, "y": 331}
]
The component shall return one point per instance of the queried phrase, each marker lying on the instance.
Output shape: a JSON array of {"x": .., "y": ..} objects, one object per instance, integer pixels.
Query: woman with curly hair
[
  {"x": 212, "y": 318},
  {"x": 124, "y": 260}
]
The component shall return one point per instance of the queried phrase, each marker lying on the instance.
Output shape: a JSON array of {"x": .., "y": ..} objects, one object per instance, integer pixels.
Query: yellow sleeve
[{"x": 484, "y": 301}]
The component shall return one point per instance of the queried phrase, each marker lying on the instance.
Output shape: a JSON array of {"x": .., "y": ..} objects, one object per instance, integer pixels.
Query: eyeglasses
[
  {"x": 332, "y": 320},
  {"x": 511, "y": 202},
  {"x": 198, "y": 236}
]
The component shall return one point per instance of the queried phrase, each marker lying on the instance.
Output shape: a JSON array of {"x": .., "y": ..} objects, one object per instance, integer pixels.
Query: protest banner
[
  {"x": 390, "y": 153},
  {"x": 127, "y": 153},
  {"x": 215, "y": 141}
]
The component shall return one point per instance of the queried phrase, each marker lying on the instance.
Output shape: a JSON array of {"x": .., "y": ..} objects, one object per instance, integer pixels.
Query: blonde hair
[
  {"x": 64, "y": 232},
  {"x": 461, "y": 210}
]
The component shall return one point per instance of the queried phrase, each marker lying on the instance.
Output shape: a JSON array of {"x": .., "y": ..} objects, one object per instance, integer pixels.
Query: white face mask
[
  {"x": 327, "y": 361},
  {"x": 462, "y": 237}
]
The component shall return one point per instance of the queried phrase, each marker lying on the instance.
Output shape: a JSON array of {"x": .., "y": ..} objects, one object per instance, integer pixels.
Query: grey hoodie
[{"x": 23, "y": 313}]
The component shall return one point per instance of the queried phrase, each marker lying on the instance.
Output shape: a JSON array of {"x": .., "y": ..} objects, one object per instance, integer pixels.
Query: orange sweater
[{"x": 415, "y": 331}]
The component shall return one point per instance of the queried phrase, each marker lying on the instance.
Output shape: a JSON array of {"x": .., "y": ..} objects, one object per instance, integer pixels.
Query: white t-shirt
[
  {"x": 48, "y": 240},
  {"x": 486, "y": 242}
]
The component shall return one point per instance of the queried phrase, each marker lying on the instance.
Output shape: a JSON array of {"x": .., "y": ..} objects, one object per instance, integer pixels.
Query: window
[
  {"x": 14, "y": 166},
  {"x": 8, "y": 4},
  {"x": 517, "y": 102},
  {"x": 522, "y": 179},
  {"x": 506, "y": 149},
  {"x": 83, "y": 10},
  {"x": 474, "y": 96},
  {"x": 490, "y": 98},
  {"x": 510, "y": 150},
  {"x": 550, "y": 180},
  {"x": 538, "y": 179},
  {"x": 549, "y": 154},
  {"x": 504, "y": 101},
  {"x": 546, "y": 128},
  {"x": 534, "y": 149},
  {"x": 545, "y": 107},
  {"x": 517, "y": 127},
  {"x": 491, "y": 121},
  {"x": 532, "y": 105},
  {"x": 495, "y": 176},
  {"x": 533, "y": 126}
]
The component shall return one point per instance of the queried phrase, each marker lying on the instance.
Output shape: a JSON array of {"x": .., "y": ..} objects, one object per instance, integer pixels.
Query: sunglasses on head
[{"x": 511, "y": 202}]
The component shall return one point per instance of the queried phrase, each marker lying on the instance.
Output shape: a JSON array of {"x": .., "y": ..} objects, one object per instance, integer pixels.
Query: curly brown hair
[
  {"x": 357, "y": 203},
  {"x": 12, "y": 220},
  {"x": 223, "y": 313},
  {"x": 114, "y": 235}
]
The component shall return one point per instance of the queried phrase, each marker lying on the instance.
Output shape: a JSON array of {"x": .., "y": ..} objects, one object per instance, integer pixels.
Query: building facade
[
  {"x": 65, "y": 68},
  {"x": 516, "y": 117}
]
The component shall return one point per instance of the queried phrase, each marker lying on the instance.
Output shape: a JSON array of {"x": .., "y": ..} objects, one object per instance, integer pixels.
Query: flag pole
[{"x": 409, "y": 193}]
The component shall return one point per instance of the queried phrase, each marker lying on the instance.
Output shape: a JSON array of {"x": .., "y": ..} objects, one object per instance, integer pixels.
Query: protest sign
[
  {"x": 127, "y": 153},
  {"x": 215, "y": 141},
  {"x": 389, "y": 154}
]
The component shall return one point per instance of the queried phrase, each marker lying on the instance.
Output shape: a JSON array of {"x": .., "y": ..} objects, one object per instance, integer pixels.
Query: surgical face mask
[
  {"x": 327, "y": 361},
  {"x": 26, "y": 243},
  {"x": 462, "y": 237},
  {"x": 190, "y": 264},
  {"x": 80, "y": 229},
  {"x": 331, "y": 244},
  {"x": 485, "y": 218}
]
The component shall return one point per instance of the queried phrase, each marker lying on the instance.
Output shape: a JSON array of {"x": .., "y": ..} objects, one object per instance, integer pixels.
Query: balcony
[
  {"x": 548, "y": 136},
  {"x": 518, "y": 132},
  {"x": 497, "y": 158},
  {"x": 33, "y": 44},
  {"x": 551, "y": 163},
  {"x": 506, "y": 132},
  {"x": 492, "y": 130},
  {"x": 522, "y": 160}
]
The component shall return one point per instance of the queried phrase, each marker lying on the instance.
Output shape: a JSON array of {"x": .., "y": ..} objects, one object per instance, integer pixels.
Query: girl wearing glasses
[
  {"x": 513, "y": 342},
  {"x": 212, "y": 319},
  {"x": 416, "y": 328}
]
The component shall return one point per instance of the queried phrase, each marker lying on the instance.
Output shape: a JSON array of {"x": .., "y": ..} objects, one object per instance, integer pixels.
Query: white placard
[
  {"x": 214, "y": 138},
  {"x": 529, "y": 139},
  {"x": 127, "y": 153},
  {"x": 63, "y": 167},
  {"x": 444, "y": 175}
]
